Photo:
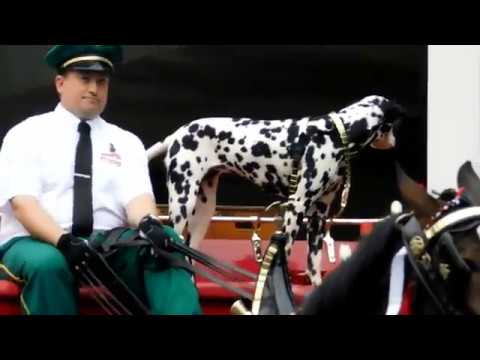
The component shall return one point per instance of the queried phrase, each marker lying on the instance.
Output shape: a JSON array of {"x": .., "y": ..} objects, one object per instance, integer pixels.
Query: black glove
[
  {"x": 152, "y": 230},
  {"x": 77, "y": 252}
]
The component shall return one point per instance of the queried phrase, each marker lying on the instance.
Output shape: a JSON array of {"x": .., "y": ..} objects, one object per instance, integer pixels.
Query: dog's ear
[{"x": 393, "y": 111}]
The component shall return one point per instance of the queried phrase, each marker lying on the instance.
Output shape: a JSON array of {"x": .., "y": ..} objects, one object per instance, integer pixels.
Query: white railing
[{"x": 263, "y": 219}]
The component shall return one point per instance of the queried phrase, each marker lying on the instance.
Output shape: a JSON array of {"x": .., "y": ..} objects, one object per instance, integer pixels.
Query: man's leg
[
  {"x": 165, "y": 290},
  {"x": 171, "y": 291},
  {"x": 49, "y": 287}
]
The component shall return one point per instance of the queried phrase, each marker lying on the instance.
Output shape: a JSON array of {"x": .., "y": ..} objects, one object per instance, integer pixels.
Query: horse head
[{"x": 443, "y": 243}]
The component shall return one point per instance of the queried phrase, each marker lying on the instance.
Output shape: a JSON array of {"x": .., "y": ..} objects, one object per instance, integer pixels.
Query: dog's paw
[
  {"x": 315, "y": 280},
  {"x": 288, "y": 249}
]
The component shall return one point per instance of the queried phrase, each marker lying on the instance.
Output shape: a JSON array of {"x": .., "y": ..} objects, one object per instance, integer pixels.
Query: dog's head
[{"x": 373, "y": 121}]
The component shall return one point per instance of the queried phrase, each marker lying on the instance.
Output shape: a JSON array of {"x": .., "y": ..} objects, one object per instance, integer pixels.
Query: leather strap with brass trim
[
  {"x": 262, "y": 277},
  {"x": 337, "y": 121}
]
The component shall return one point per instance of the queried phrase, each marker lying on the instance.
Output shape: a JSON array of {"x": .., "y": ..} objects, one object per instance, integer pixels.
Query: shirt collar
[{"x": 74, "y": 120}]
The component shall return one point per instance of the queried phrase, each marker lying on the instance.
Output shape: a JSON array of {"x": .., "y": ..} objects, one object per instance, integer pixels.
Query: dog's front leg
[
  {"x": 316, "y": 229},
  {"x": 292, "y": 222}
]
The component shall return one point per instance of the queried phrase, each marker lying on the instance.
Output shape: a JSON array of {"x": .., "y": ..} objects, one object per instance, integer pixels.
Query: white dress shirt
[{"x": 37, "y": 158}]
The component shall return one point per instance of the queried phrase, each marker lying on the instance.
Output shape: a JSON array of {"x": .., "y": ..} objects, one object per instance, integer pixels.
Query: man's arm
[
  {"x": 35, "y": 219},
  {"x": 140, "y": 207}
]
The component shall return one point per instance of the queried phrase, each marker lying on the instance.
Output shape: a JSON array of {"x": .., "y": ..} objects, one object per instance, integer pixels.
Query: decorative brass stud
[
  {"x": 426, "y": 260},
  {"x": 417, "y": 245},
  {"x": 444, "y": 270}
]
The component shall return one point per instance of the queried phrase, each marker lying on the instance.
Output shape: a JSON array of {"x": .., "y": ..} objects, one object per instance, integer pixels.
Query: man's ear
[{"x": 59, "y": 81}]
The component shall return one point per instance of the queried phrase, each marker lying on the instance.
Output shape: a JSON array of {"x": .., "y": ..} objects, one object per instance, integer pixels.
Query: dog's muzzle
[{"x": 385, "y": 141}]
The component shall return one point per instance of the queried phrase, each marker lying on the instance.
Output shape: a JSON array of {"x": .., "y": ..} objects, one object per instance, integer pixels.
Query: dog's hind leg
[
  {"x": 181, "y": 207},
  {"x": 204, "y": 209}
]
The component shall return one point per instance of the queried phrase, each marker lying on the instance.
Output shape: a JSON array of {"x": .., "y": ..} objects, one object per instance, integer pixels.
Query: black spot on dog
[
  {"x": 177, "y": 219},
  {"x": 189, "y": 142},
  {"x": 283, "y": 144},
  {"x": 210, "y": 131},
  {"x": 189, "y": 173},
  {"x": 226, "y": 149},
  {"x": 311, "y": 194},
  {"x": 223, "y": 135},
  {"x": 292, "y": 132},
  {"x": 239, "y": 157},
  {"x": 183, "y": 211},
  {"x": 358, "y": 132},
  {"x": 231, "y": 141},
  {"x": 311, "y": 170},
  {"x": 185, "y": 166},
  {"x": 193, "y": 128},
  {"x": 261, "y": 149},
  {"x": 199, "y": 160},
  {"x": 175, "y": 177},
  {"x": 243, "y": 149},
  {"x": 183, "y": 200},
  {"x": 222, "y": 158},
  {"x": 265, "y": 132},
  {"x": 325, "y": 179},
  {"x": 174, "y": 149},
  {"x": 322, "y": 156},
  {"x": 251, "y": 166},
  {"x": 241, "y": 141}
]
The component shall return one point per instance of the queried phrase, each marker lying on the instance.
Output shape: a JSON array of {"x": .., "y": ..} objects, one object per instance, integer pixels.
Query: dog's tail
[{"x": 158, "y": 149}]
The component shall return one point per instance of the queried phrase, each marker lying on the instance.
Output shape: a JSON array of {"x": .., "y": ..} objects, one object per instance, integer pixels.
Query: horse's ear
[
  {"x": 468, "y": 179},
  {"x": 416, "y": 197}
]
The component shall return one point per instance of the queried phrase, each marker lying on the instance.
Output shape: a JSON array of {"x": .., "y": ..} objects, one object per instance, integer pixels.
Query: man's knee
[{"x": 48, "y": 261}]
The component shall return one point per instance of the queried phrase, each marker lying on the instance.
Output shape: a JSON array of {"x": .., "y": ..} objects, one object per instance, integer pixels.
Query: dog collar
[{"x": 338, "y": 122}]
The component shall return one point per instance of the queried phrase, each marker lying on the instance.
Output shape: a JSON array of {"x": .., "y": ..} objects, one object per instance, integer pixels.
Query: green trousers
[{"x": 50, "y": 288}]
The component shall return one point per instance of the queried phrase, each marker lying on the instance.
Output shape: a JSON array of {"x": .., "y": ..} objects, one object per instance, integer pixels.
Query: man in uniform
[{"x": 67, "y": 177}]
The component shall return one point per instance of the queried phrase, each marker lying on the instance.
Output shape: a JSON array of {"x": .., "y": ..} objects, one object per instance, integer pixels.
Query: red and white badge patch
[{"x": 112, "y": 156}]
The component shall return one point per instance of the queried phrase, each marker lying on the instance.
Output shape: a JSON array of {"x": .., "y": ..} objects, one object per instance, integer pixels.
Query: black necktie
[{"x": 82, "y": 184}]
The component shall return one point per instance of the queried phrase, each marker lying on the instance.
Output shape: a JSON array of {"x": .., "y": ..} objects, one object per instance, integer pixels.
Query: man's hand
[
  {"x": 152, "y": 230},
  {"x": 77, "y": 252}
]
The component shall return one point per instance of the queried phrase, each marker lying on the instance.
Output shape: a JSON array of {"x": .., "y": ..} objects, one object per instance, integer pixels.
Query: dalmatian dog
[{"x": 259, "y": 150}]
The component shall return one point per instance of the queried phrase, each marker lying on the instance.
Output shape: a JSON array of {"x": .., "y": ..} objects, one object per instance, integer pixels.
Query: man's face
[{"x": 84, "y": 93}]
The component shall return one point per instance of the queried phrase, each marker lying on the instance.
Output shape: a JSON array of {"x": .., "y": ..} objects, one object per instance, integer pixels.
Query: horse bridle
[{"x": 433, "y": 254}]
